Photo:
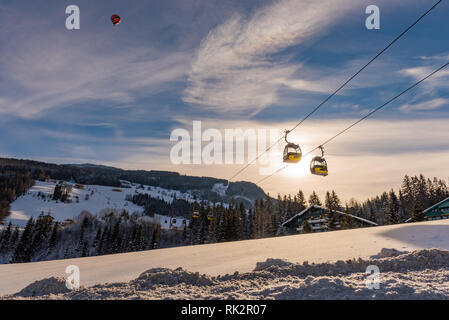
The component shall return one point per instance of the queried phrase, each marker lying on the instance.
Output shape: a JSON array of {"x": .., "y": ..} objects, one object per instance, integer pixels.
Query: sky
[{"x": 114, "y": 95}]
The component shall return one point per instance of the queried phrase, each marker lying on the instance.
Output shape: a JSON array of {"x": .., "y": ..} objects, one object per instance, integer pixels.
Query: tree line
[
  {"x": 218, "y": 223},
  {"x": 109, "y": 232},
  {"x": 114, "y": 232},
  {"x": 14, "y": 181}
]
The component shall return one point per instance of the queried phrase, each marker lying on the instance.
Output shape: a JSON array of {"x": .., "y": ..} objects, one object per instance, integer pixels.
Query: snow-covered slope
[
  {"x": 92, "y": 198},
  {"x": 242, "y": 256}
]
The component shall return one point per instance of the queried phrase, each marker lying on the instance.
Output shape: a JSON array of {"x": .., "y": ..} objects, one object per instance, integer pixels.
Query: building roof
[
  {"x": 435, "y": 205},
  {"x": 322, "y": 208}
]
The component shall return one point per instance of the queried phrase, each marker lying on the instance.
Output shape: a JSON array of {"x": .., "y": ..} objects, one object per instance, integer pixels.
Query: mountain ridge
[{"x": 203, "y": 187}]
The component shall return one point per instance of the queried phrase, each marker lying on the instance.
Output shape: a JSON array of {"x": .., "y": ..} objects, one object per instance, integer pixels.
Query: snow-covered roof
[
  {"x": 435, "y": 205},
  {"x": 301, "y": 213},
  {"x": 322, "y": 208},
  {"x": 358, "y": 218}
]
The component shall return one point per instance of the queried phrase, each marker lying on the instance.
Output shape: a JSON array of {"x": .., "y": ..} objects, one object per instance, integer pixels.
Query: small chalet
[
  {"x": 317, "y": 218},
  {"x": 437, "y": 211}
]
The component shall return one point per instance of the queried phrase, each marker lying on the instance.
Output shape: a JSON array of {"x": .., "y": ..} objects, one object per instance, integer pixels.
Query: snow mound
[
  {"x": 386, "y": 260},
  {"x": 386, "y": 253},
  {"x": 269, "y": 263},
  {"x": 164, "y": 276},
  {"x": 44, "y": 287},
  {"x": 422, "y": 274}
]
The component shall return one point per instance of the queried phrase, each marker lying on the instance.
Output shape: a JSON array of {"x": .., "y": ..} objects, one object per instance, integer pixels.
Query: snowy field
[
  {"x": 422, "y": 274},
  {"x": 92, "y": 198},
  {"x": 289, "y": 273}
]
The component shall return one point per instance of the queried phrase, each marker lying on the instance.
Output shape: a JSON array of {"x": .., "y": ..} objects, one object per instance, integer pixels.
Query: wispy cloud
[
  {"x": 51, "y": 70},
  {"x": 436, "y": 57},
  {"x": 425, "y": 106},
  {"x": 431, "y": 90},
  {"x": 233, "y": 69},
  {"x": 421, "y": 72}
]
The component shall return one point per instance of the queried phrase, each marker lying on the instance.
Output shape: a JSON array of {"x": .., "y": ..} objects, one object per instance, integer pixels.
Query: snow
[
  {"x": 99, "y": 198},
  {"x": 410, "y": 278},
  {"x": 220, "y": 189},
  {"x": 421, "y": 274}
]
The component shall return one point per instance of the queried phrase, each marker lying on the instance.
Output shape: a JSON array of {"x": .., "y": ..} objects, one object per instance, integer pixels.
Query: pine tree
[
  {"x": 5, "y": 239},
  {"x": 41, "y": 233},
  {"x": 85, "y": 251},
  {"x": 290, "y": 207},
  {"x": 98, "y": 238},
  {"x": 212, "y": 230},
  {"x": 104, "y": 247},
  {"x": 53, "y": 237},
  {"x": 202, "y": 225},
  {"x": 243, "y": 220},
  {"x": 417, "y": 212},
  {"x": 57, "y": 193},
  {"x": 66, "y": 253},
  {"x": 23, "y": 250},
  {"x": 392, "y": 214},
  {"x": 407, "y": 195},
  {"x": 371, "y": 211},
  {"x": 280, "y": 208},
  {"x": 250, "y": 229},
  {"x": 332, "y": 205},
  {"x": 300, "y": 201},
  {"x": 14, "y": 237},
  {"x": 116, "y": 239},
  {"x": 220, "y": 231},
  {"x": 314, "y": 199},
  {"x": 347, "y": 222}
]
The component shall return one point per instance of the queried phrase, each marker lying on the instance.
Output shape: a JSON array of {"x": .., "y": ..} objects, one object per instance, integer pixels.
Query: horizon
[
  {"x": 321, "y": 195},
  {"x": 114, "y": 95}
]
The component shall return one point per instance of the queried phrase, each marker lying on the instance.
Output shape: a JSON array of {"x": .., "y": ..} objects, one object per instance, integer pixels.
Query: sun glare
[{"x": 300, "y": 169}]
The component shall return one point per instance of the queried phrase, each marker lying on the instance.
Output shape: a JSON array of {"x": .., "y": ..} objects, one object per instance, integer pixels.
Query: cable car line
[
  {"x": 363, "y": 118},
  {"x": 338, "y": 90}
]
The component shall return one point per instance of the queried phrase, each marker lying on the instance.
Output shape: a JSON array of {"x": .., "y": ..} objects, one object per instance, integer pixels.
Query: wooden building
[
  {"x": 317, "y": 218},
  {"x": 437, "y": 211}
]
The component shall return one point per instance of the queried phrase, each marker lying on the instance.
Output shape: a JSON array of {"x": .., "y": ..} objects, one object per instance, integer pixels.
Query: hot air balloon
[{"x": 115, "y": 19}]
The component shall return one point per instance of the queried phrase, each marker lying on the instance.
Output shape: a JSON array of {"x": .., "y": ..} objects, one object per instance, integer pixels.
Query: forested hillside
[
  {"x": 16, "y": 176},
  {"x": 211, "y": 218},
  {"x": 116, "y": 232}
]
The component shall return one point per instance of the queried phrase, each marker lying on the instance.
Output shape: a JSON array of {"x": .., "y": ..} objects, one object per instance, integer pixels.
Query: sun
[{"x": 300, "y": 169}]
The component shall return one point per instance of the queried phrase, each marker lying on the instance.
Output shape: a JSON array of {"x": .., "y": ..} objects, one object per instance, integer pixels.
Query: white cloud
[
  {"x": 420, "y": 72},
  {"x": 233, "y": 70},
  {"x": 49, "y": 70},
  {"x": 424, "y": 106},
  {"x": 436, "y": 57},
  {"x": 431, "y": 88}
]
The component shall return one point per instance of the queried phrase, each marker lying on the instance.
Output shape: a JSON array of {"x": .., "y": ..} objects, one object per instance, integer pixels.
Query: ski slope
[
  {"x": 241, "y": 256},
  {"x": 92, "y": 198}
]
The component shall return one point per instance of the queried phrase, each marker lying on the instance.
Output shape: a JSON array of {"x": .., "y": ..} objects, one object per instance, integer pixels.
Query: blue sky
[{"x": 112, "y": 95}]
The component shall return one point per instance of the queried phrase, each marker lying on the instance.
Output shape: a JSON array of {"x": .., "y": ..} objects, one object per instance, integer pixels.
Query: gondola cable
[
  {"x": 338, "y": 90},
  {"x": 361, "y": 119}
]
